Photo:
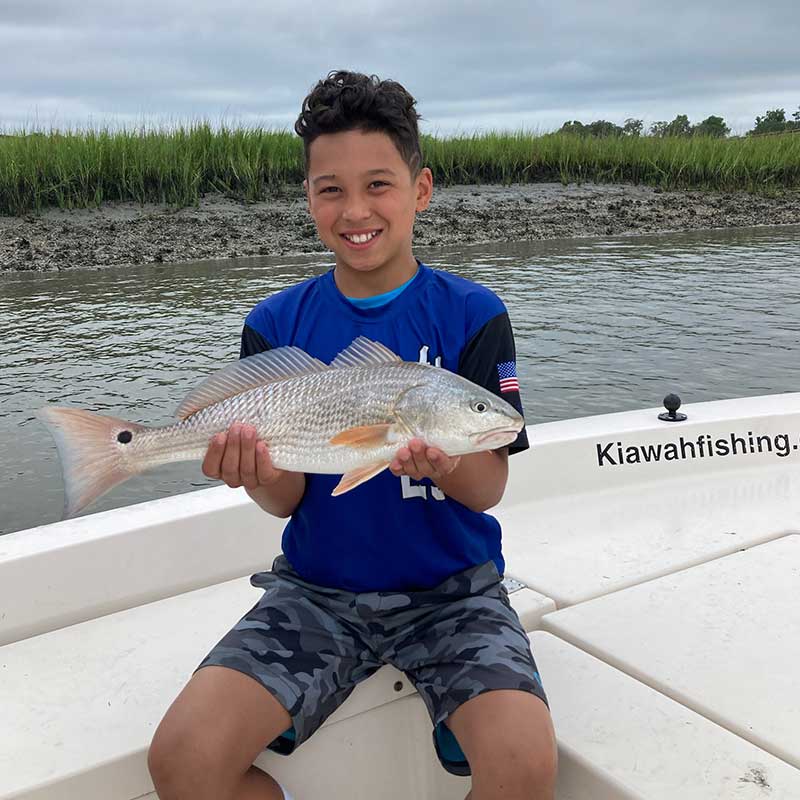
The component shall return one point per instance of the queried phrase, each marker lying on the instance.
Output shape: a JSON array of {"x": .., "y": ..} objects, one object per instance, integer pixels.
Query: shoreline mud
[{"x": 127, "y": 233}]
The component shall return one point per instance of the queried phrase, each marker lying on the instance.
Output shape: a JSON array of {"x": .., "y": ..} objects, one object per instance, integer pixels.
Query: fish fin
[
  {"x": 358, "y": 476},
  {"x": 249, "y": 373},
  {"x": 364, "y": 435},
  {"x": 90, "y": 453},
  {"x": 363, "y": 352}
]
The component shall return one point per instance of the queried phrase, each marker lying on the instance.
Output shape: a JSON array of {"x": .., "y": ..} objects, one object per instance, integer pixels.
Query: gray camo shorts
[{"x": 310, "y": 645}]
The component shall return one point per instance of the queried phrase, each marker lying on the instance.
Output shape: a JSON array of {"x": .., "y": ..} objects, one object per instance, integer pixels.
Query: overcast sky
[{"x": 471, "y": 65}]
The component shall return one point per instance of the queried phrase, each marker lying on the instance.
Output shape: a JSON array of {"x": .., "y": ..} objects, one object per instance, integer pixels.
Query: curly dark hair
[{"x": 345, "y": 101}]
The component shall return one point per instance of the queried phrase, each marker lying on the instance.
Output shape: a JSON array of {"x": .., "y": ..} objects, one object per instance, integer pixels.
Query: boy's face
[{"x": 359, "y": 186}]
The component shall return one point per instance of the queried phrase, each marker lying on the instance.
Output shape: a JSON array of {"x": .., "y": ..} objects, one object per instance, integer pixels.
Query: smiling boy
[{"x": 406, "y": 568}]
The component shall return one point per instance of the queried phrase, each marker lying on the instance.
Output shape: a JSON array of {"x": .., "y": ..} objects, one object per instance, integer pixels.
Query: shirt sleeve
[
  {"x": 489, "y": 360},
  {"x": 252, "y": 342}
]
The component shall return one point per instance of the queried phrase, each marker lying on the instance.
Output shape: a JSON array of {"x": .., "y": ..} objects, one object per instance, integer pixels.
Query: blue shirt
[{"x": 391, "y": 533}]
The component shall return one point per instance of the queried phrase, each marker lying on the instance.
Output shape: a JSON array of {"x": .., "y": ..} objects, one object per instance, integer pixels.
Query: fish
[{"x": 345, "y": 418}]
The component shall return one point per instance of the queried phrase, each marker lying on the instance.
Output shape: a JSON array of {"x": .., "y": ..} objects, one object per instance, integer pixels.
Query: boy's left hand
[{"x": 420, "y": 461}]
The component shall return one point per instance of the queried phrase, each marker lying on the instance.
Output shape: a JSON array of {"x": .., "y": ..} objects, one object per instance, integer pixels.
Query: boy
[{"x": 404, "y": 569}]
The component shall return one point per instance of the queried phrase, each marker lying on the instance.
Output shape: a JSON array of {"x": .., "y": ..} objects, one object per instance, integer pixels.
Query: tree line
[{"x": 773, "y": 121}]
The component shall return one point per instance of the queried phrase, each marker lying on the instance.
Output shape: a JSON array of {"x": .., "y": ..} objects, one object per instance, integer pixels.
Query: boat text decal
[{"x": 613, "y": 454}]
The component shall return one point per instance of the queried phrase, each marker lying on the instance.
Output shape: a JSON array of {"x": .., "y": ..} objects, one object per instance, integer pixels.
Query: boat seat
[
  {"x": 81, "y": 703},
  {"x": 100, "y": 688},
  {"x": 80, "y": 706},
  {"x": 722, "y": 638},
  {"x": 620, "y": 739}
]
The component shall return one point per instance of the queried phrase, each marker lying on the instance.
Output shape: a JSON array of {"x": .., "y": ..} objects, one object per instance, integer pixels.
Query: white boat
[{"x": 660, "y": 585}]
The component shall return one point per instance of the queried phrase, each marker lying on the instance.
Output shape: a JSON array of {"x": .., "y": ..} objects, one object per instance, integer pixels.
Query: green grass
[
  {"x": 752, "y": 164},
  {"x": 79, "y": 169}
]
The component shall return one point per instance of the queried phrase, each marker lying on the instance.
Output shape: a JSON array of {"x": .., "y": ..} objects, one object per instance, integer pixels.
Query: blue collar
[{"x": 381, "y": 299}]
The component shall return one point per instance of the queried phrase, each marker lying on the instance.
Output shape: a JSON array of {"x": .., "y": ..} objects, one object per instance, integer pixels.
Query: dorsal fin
[
  {"x": 249, "y": 373},
  {"x": 363, "y": 352}
]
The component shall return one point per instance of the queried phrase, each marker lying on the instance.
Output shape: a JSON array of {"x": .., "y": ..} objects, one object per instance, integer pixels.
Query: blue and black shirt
[{"x": 392, "y": 533}]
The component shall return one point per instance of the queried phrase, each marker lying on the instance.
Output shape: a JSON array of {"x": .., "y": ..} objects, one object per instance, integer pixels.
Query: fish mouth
[{"x": 497, "y": 437}]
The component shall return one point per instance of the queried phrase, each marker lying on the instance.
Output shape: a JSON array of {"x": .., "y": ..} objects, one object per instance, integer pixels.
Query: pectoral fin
[
  {"x": 364, "y": 436},
  {"x": 357, "y": 476}
]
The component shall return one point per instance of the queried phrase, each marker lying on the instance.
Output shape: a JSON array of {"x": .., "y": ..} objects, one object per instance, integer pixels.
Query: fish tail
[{"x": 90, "y": 447}]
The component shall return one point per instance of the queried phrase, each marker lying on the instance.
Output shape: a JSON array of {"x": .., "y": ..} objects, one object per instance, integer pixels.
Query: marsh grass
[
  {"x": 752, "y": 164},
  {"x": 177, "y": 166}
]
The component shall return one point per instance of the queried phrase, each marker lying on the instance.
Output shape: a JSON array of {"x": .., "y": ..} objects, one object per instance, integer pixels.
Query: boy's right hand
[{"x": 240, "y": 458}]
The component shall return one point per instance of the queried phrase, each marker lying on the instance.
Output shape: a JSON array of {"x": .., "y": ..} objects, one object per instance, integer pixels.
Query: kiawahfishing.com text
[{"x": 614, "y": 454}]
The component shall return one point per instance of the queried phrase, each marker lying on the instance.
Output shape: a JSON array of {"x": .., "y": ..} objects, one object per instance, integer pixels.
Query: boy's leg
[
  {"x": 210, "y": 736},
  {"x": 464, "y": 648},
  {"x": 508, "y": 739},
  {"x": 289, "y": 663}
]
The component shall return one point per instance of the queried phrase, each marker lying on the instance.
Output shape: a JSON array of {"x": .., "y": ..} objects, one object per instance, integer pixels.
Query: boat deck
[{"x": 660, "y": 598}]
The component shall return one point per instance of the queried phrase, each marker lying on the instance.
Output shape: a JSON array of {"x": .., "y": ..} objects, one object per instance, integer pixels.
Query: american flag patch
[{"x": 507, "y": 371}]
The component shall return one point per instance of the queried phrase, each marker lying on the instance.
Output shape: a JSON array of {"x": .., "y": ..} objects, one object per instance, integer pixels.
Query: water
[{"x": 601, "y": 326}]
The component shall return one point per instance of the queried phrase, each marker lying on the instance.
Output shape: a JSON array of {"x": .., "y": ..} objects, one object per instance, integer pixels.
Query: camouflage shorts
[{"x": 310, "y": 645}]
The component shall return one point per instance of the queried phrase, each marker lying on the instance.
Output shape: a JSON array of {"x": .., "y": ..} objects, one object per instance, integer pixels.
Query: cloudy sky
[{"x": 471, "y": 65}]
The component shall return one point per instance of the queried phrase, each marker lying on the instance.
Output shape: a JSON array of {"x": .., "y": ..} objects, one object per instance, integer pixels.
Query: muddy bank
[{"x": 221, "y": 228}]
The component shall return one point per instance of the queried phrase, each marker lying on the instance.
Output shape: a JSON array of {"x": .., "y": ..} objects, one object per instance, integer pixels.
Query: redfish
[{"x": 348, "y": 417}]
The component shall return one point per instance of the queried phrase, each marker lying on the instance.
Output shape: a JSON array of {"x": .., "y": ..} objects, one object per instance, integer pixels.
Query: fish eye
[{"x": 479, "y": 406}]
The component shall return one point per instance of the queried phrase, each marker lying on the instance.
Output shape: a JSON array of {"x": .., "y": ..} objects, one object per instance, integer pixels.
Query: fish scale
[{"x": 289, "y": 417}]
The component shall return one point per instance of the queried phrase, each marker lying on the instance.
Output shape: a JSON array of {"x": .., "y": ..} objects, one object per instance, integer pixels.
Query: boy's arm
[
  {"x": 489, "y": 356},
  {"x": 476, "y": 480},
  {"x": 283, "y": 497}
]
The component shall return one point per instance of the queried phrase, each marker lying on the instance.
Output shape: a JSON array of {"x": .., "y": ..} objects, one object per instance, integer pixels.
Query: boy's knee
[
  {"x": 522, "y": 770},
  {"x": 541, "y": 769},
  {"x": 180, "y": 766},
  {"x": 163, "y": 761}
]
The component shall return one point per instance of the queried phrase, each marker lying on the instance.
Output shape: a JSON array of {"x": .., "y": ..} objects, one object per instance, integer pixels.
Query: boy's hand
[
  {"x": 420, "y": 461},
  {"x": 239, "y": 458}
]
